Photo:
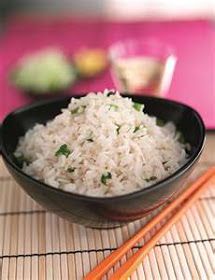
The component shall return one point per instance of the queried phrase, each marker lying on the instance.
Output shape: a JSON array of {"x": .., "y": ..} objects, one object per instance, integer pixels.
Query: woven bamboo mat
[{"x": 35, "y": 244}]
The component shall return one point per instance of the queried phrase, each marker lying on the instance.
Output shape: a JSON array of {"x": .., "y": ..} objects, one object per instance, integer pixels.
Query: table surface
[
  {"x": 194, "y": 42},
  {"x": 35, "y": 244}
]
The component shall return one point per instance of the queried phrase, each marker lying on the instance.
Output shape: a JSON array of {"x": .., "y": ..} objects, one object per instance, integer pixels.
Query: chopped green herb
[
  {"x": 153, "y": 178},
  {"x": 111, "y": 93},
  {"x": 118, "y": 128},
  {"x": 136, "y": 128},
  {"x": 113, "y": 106},
  {"x": 105, "y": 176},
  {"x": 137, "y": 106},
  {"x": 160, "y": 122},
  {"x": 78, "y": 110},
  {"x": 20, "y": 160},
  {"x": 90, "y": 137},
  {"x": 71, "y": 169},
  {"x": 181, "y": 138},
  {"x": 75, "y": 111},
  {"x": 63, "y": 150}
]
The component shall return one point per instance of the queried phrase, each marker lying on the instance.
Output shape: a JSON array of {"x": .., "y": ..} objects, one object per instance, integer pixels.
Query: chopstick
[{"x": 127, "y": 268}]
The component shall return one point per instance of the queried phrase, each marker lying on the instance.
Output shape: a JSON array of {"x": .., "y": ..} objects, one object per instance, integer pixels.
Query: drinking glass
[{"x": 142, "y": 66}]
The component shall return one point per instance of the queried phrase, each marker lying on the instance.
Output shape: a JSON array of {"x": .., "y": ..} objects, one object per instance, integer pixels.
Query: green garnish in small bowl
[{"x": 44, "y": 72}]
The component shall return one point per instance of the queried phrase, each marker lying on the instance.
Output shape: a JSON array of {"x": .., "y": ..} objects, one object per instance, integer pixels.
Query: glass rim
[{"x": 151, "y": 43}]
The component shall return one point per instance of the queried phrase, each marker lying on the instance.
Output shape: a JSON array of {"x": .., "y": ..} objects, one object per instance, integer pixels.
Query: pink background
[{"x": 194, "y": 42}]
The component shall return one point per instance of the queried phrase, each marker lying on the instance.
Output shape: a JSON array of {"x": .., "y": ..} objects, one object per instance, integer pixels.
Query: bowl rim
[{"x": 180, "y": 171}]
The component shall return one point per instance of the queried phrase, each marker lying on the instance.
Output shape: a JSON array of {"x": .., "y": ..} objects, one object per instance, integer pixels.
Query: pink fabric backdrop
[{"x": 194, "y": 42}]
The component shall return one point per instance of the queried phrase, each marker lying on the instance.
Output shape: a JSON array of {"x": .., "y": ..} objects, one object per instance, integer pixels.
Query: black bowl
[{"x": 95, "y": 211}]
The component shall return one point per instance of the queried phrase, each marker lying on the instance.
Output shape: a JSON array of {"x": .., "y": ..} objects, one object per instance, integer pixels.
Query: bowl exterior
[{"x": 104, "y": 214}]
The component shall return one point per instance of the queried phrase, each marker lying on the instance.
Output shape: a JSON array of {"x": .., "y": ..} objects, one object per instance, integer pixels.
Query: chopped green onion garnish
[
  {"x": 113, "y": 106},
  {"x": 181, "y": 138},
  {"x": 136, "y": 128},
  {"x": 71, "y": 169},
  {"x": 153, "y": 178},
  {"x": 105, "y": 176},
  {"x": 137, "y": 106},
  {"x": 20, "y": 160},
  {"x": 78, "y": 110},
  {"x": 63, "y": 150},
  {"x": 90, "y": 137},
  {"x": 160, "y": 122},
  {"x": 118, "y": 128},
  {"x": 111, "y": 93},
  {"x": 75, "y": 111}
]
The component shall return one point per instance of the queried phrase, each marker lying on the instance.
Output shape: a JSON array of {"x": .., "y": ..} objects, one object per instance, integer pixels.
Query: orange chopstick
[
  {"x": 129, "y": 266},
  {"x": 108, "y": 262}
]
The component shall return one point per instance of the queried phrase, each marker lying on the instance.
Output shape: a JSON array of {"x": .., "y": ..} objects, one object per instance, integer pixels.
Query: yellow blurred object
[{"x": 90, "y": 62}]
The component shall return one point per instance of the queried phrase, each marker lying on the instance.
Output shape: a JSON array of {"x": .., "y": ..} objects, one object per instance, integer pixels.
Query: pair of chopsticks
[{"x": 184, "y": 200}]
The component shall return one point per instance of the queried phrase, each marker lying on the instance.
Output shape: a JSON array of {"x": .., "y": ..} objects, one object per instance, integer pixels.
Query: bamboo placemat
[{"x": 35, "y": 244}]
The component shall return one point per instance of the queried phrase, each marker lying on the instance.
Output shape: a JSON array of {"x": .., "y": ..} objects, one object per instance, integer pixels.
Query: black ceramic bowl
[{"x": 95, "y": 211}]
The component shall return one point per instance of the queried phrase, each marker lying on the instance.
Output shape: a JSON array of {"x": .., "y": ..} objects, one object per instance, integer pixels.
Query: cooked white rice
[{"x": 101, "y": 146}]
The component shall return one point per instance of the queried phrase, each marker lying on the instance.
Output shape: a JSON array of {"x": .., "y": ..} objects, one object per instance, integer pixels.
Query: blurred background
[
  {"x": 85, "y": 31},
  {"x": 148, "y": 9}
]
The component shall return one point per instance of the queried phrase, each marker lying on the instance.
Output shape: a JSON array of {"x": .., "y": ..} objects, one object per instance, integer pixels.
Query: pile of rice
[{"x": 101, "y": 145}]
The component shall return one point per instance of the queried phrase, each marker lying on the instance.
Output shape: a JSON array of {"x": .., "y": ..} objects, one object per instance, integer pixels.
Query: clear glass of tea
[{"x": 142, "y": 66}]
